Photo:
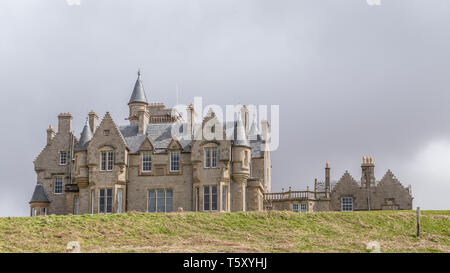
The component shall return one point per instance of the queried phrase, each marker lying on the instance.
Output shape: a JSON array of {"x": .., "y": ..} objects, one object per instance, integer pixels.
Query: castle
[{"x": 143, "y": 167}]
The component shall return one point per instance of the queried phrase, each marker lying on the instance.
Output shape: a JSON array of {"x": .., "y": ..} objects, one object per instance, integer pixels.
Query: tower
[
  {"x": 139, "y": 113},
  {"x": 241, "y": 157}
]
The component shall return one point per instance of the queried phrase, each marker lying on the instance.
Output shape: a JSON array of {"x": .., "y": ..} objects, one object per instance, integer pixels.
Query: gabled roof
[
  {"x": 39, "y": 195},
  {"x": 138, "y": 94}
]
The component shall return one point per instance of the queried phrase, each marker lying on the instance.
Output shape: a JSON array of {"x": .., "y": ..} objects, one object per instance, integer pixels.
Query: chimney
[
  {"x": 65, "y": 123},
  {"x": 367, "y": 173},
  {"x": 327, "y": 178},
  {"x": 144, "y": 117},
  {"x": 190, "y": 119},
  {"x": 93, "y": 120},
  {"x": 244, "y": 116},
  {"x": 50, "y": 134}
]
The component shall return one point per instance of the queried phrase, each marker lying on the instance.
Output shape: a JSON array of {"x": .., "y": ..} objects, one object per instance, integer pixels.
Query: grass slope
[{"x": 229, "y": 232}]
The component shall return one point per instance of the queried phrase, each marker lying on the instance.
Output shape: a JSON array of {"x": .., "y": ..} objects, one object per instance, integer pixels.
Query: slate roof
[
  {"x": 39, "y": 195},
  {"x": 138, "y": 94},
  {"x": 240, "y": 138},
  {"x": 86, "y": 136},
  {"x": 159, "y": 134}
]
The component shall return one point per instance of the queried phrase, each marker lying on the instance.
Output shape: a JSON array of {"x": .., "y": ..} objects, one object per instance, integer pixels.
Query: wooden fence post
[{"x": 418, "y": 221}]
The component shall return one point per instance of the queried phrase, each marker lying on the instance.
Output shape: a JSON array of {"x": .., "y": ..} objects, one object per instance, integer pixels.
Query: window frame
[
  {"x": 42, "y": 209},
  {"x": 76, "y": 204},
  {"x": 208, "y": 197},
  {"x": 295, "y": 207},
  {"x": 171, "y": 161},
  {"x": 165, "y": 199},
  {"x": 224, "y": 194},
  {"x": 119, "y": 200},
  {"x": 92, "y": 201},
  {"x": 210, "y": 157},
  {"x": 303, "y": 207},
  {"x": 57, "y": 179},
  {"x": 61, "y": 157},
  {"x": 149, "y": 162},
  {"x": 345, "y": 205},
  {"x": 106, "y": 161}
]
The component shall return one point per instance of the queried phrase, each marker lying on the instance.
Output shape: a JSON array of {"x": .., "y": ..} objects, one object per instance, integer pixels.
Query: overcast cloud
[{"x": 352, "y": 80}]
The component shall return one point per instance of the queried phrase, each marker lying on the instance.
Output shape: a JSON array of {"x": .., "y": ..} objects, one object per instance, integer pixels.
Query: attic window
[{"x": 106, "y": 132}]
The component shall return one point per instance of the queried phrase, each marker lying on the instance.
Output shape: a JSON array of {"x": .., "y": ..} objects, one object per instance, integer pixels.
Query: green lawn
[{"x": 229, "y": 232}]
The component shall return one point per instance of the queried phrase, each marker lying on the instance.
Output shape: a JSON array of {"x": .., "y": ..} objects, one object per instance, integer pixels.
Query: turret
[
  {"x": 241, "y": 154},
  {"x": 139, "y": 113}
]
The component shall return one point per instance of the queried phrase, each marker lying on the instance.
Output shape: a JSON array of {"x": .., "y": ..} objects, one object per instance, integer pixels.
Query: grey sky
[{"x": 351, "y": 80}]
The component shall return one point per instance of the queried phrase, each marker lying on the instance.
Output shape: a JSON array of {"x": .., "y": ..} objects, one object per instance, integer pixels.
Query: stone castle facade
[{"x": 143, "y": 167}]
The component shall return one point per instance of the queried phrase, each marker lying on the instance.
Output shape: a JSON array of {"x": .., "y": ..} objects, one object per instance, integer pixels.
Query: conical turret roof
[
  {"x": 138, "y": 94},
  {"x": 254, "y": 130},
  {"x": 86, "y": 134},
  {"x": 39, "y": 195},
  {"x": 240, "y": 138}
]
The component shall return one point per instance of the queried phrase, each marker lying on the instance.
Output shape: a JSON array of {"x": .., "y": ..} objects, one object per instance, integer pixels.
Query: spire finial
[{"x": 139, "y": 73}]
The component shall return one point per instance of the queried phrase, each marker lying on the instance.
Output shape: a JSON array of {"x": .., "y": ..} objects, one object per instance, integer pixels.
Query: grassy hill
[{"x": 228, "y": 232}]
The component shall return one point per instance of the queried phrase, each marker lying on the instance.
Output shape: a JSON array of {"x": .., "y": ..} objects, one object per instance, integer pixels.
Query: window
[
  {"x": 146, "y": 161},
  {"x": 295, "y": 207},
  {"x": 33, "y": 211},
  {"x": 207, "y": 158},
  {"x": 174, "y": 161},
  {"x": 160, "y": 200},
  {"x": 108, "y": 200},
  {"x": 168, "y": 200},
  {"x": 210, "y": 157},
  {"x": 303, "y": 207},
  {"x": 209, "y": 198},
  {"x": 269, "y": 208},
  {"x": 225, "y": 198},
  {"x": 347, "y": 203},
  {"x": 62, "y": 158},
  {"x": 106, "y": 161},
  {"x": 206, "y": 198},
  {"x": 76, "y": 202},
  {"x": 43, "y": 211},
  {"x": 58, "y": 185},
  {"x": 151, "y": 201},
  {"x": 93, "y": 201},
  {"x": 214, "y": 158},
  {"x": 119, "y": 201},
  {"x": 197, "y": 198},
  {"x": 101, "y": 201},
  {"x": 213, "y": 197}
]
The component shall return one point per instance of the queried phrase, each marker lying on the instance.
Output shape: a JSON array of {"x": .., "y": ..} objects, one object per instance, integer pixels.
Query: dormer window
[
  {"x": 174, "y": 161},
  {"x": 62, "y": 158},
  {"x": 146, "y": 162},
  {"x": 106, "y": 161},
  {"x": 210, "y": 157}
]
